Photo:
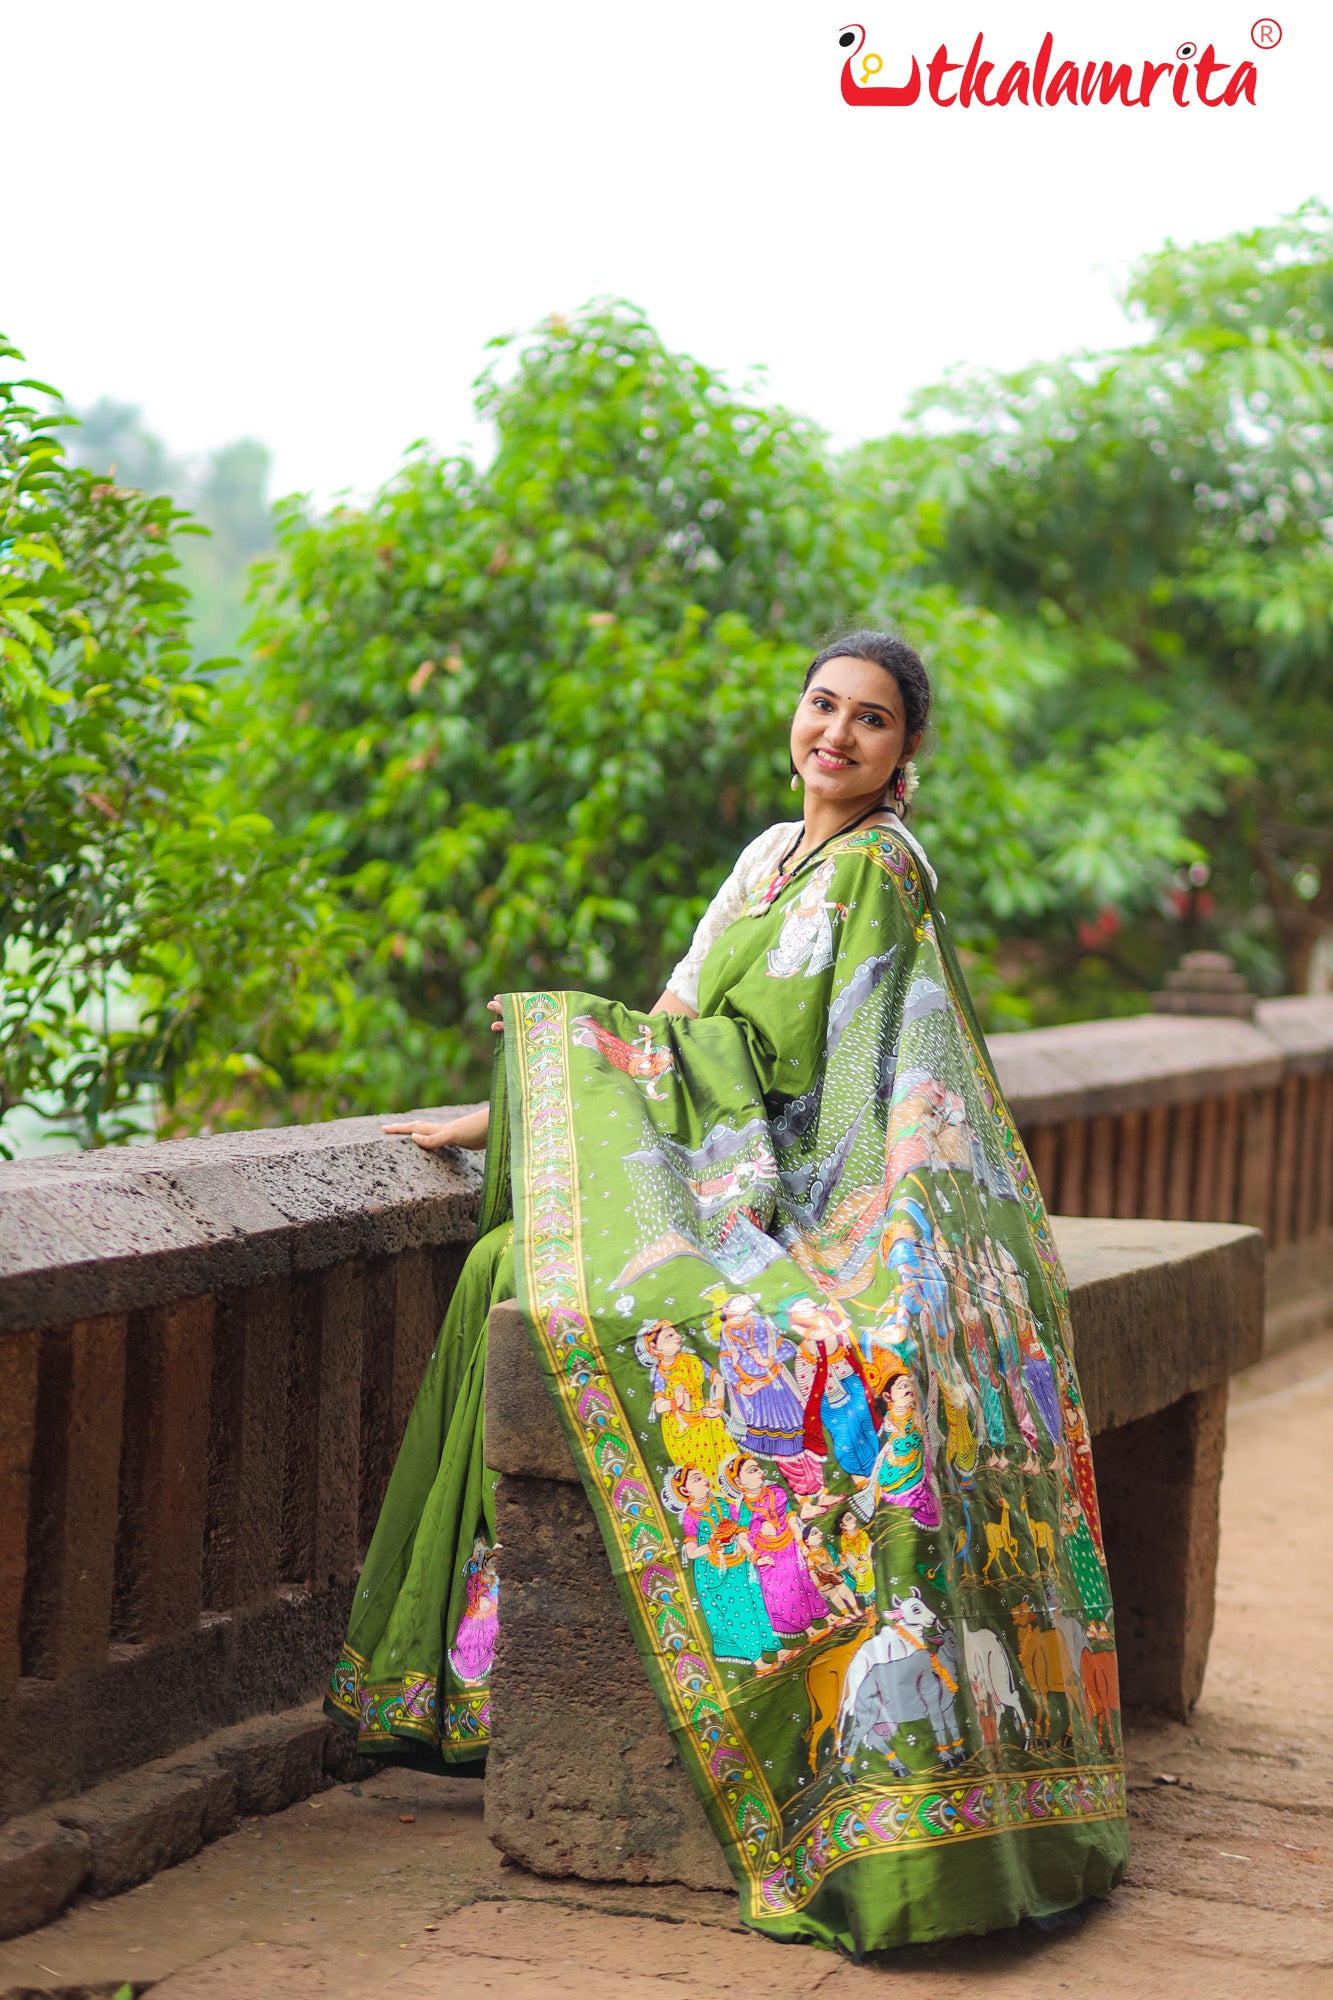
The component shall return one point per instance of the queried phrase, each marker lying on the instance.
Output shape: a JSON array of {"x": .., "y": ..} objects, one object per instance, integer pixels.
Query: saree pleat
[
  {"x": 413, "y": 1679},
  {"x": 875, "y": 1613}
]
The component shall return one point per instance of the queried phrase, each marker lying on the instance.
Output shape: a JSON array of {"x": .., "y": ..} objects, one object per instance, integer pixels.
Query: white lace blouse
[{"x": 757, "y": 865}]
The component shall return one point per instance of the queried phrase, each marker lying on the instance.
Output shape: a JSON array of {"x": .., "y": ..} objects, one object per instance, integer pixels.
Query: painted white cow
[{"x": 991, "y": 1677}]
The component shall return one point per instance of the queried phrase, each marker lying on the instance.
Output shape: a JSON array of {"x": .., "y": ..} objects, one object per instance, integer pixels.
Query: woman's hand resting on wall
[{"x": 468, "y": 1131}]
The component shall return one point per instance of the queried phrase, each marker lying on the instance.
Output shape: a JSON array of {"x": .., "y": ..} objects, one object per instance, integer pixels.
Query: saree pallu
[{"x": 816, "y": 1190}]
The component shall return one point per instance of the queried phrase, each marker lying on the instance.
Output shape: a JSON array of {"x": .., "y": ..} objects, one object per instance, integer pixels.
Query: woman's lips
[{"x": 829, "y": 760}]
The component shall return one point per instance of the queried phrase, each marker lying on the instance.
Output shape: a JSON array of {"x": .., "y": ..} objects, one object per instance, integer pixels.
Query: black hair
[{"x": 884, "y": 649}]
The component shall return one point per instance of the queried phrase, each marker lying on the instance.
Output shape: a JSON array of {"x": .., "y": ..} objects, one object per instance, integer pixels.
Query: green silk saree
[{"x": 793, "y": 1289}]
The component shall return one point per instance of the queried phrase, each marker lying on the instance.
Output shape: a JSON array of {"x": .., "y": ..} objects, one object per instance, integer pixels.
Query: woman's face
[
  {"x": 751, "y": 1476},
  {"x": 848, "y": 735},
  {"x": 667, "y": 1342},
  {"x": 902, "y": 1395},
  {"x": 697, "y": 1488},
  {"x": 849, "y": 1524}
]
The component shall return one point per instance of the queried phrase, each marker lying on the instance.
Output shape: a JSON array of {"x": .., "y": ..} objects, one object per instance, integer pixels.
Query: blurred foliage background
[{"x": 510, "y": 723}]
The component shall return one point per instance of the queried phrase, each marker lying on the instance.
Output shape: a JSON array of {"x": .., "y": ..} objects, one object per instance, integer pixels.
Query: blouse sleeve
[{"x": 758, "y": 859}]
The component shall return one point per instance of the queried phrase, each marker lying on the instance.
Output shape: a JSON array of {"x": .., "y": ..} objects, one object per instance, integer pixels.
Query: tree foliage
[
  {"x": 510, "y": 722},
  {"x": 1166, "y": 512},
  {"x": 530, "y": 713},
  {"x": 151, "y": 939}
]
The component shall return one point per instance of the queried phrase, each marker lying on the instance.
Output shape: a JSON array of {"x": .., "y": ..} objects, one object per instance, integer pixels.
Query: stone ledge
[
  {"x": 42, "y": 1865},
  {"x": 120, "y": 1833},
  {"x": 1090, "y": 1069},
  {"x": 127, "y": 1227},
  {"x": 162, "y": 1814},
  {"x": 1203, "y": 1282}
]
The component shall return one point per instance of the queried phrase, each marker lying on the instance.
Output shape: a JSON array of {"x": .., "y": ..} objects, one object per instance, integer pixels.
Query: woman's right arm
[{"x": 468, "y": 1131}]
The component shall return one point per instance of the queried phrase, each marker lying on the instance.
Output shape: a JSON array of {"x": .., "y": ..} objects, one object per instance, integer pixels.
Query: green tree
[
  {"x": 1164, "y": 512},
  {"x": 530, "y": 714},
  {"x": 151, "y": 943},
  {"x": 226, "y": 493}
]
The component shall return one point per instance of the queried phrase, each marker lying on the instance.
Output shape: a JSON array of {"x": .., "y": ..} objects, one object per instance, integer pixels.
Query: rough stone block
[
  {"x": 150, "y": 1820},
  {"x": 342, "y": 1761},
  {"x": 1159, "y": 1309},
  {"x": 583, "y": 1778},
  {"x": 275, "y": 1759},
  {"x": 1159, "y": 1481},
  {"x": 523, "y": 1433},
  {"x": 42, "y": 1864}
]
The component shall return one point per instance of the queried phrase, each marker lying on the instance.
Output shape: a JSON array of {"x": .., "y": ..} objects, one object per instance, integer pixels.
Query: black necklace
[{"x": 786, "y": 875}]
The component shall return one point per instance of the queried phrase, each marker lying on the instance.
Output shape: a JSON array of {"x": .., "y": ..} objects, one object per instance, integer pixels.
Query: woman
[
  {"x": 838, "y": 1412},
  {"x": 901, "y": 1473},
  {"x": 723, "y": 1559},
  {"x": 768, "y": 1409},
  {"x": 855, "y": 1556},
  {"x": 687, "y": 1398},
  {"x": 819, "y": 1006},
  {"x": 763, "y": 1509}
]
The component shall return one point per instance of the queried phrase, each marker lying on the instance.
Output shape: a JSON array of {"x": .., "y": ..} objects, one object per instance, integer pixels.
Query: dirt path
[{"x": 392, "y": 1886}]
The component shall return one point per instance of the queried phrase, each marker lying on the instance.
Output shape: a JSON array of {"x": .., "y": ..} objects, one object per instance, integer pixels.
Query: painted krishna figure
[{"x": 792, "y": 1286}]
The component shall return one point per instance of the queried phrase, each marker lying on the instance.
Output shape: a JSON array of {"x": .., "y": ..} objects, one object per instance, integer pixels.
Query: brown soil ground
[{"x": 391, "y": 1887}]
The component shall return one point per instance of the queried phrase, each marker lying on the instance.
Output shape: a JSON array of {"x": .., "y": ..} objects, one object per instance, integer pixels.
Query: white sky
[{"x": 303, "y": 221}]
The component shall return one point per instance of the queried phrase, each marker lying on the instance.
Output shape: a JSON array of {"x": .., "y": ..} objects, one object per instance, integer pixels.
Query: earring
[
  {"x": 795, "y": 782},
  {"x": 900, "y": 787}
]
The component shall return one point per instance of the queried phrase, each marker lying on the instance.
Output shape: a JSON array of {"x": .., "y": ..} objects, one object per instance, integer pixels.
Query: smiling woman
[{"x": 776, "y": 1254}]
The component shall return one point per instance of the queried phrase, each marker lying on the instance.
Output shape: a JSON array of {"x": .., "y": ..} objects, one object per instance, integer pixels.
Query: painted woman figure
[
  {"x": 473, "y": 1649},
  {"x": 900, "y": 1475},
  {"x": 763, "y": 1509},
  {"x": 805, "y": 941},
  {"x": 753, "y": 1358},
  {"x": 855, "y": 1555},
  {"x": 827, "y": 1576},
  {"x": 687, "y": 1397},
  {"x": 923, "y": 1295},
  {"x": 1038, "y": 1368},
  {"x": 725, "y": 1579},
  {"x": 837, "y": 1396},
  {"x": 1006, "y": 1346},
  {"x": 819, "y": 1016},
  {"x": 985, "y": 1376}
]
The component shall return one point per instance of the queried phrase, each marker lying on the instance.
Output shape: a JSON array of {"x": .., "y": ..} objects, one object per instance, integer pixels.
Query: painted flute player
[{"x": 795, "y": 1187}]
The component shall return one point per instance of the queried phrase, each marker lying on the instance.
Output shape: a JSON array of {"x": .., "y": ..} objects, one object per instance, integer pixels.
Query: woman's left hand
[{"x": 493, "y": 1007}]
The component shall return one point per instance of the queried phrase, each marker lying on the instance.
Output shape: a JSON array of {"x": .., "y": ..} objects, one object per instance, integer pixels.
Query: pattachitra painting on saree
[{"x": 795, "y": 1294}]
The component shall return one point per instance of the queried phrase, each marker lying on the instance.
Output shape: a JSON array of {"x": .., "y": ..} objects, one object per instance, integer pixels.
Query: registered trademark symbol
[{"x": 1265, "y": 34}]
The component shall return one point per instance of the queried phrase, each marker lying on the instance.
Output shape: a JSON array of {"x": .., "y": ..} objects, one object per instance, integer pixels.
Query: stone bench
[{"x": 583, "y": 1778}]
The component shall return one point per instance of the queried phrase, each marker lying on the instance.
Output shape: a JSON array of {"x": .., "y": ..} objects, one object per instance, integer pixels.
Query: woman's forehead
[{"x": 856, "y": 679}]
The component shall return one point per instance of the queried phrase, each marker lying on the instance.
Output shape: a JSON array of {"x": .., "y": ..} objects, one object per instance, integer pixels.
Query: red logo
[{"x": 1191, "y": 77}]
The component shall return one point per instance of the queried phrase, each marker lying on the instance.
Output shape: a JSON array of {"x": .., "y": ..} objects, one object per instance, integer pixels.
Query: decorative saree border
[
  {"x": 781, "y": 1878},
  {"x": 913, "y": 1816},
  {"x": 602, "y": 1436},
  {"x": 407, "y": 1708}
]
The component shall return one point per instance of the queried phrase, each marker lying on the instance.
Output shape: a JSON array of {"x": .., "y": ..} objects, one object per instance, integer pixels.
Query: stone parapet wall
[
  {"x": 208, "y": 1350},
  {"x": 1196, "y": 1119}
]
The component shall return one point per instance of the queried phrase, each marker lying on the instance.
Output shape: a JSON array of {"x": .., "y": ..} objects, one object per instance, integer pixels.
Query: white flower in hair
[{"x": 911, "y": 780}]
